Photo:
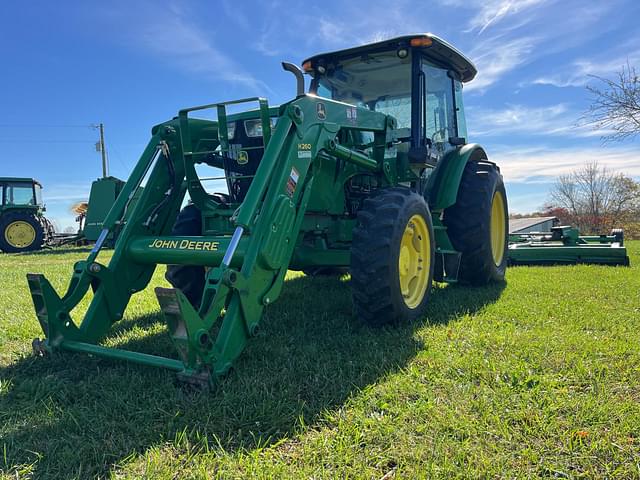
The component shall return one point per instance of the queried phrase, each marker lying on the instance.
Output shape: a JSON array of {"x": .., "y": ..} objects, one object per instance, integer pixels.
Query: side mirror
[{"x": 457, "y": 141}]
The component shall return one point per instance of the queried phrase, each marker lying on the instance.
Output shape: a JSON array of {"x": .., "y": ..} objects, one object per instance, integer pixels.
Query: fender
[{"x": 442, "y": 188}]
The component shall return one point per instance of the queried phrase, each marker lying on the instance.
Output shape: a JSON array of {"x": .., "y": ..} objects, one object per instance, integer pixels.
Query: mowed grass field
[{"x": 539, "y": 377}]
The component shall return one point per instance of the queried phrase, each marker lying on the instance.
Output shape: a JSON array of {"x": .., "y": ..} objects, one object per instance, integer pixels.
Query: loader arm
[{"x": 249, "y": 260}]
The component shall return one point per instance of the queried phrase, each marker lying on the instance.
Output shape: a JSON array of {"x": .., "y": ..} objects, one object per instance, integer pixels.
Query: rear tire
[
  {"x": 392, "y": 257},
  {"x": 21, "y": 231},
  {"x": 189, "y": 279},
  {"x": 478, "y": 224}
]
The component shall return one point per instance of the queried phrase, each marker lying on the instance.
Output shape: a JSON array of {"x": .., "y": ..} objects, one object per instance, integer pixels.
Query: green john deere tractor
[
  {"x": 23, "y": 226},
  {"x": 369, "y": 171}
]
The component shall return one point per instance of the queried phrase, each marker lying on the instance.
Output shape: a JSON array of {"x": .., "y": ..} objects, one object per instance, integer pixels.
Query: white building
[{"x": 532, "y": 224}]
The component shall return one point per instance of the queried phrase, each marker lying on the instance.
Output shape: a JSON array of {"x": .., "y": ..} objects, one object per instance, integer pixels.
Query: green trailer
[
  {"x": 565, "y": 245},
  {"x": 368, "y": 170},
  {"x": 104, "y": 193}
]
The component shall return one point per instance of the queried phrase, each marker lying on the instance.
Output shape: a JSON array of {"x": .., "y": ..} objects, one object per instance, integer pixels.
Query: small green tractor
[
  {"x": 23, "y": 226},
  {"x": 368, "y": 171}
]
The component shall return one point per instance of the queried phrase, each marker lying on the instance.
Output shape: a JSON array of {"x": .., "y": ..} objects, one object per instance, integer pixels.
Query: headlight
[
  {"x": 231, "y": 129},
  {"x": 254, "y": 127}
]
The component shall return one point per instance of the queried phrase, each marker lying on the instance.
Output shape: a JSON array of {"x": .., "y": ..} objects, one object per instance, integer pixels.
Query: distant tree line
[{"x": 596, "y": 200}]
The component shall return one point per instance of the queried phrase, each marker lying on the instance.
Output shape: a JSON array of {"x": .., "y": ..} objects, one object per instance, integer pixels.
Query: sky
[{"x": 132, "y": 64}]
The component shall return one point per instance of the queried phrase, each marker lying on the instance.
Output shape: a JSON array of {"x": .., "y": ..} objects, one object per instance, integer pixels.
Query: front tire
[
  {"x": 392, "y": 257},
  {"x": 21, "y": 232},
  {"x": 478, "y": 224}
]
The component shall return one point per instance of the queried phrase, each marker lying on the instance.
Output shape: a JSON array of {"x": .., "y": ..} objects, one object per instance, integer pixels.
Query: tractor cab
[
  {"x": 415, "y": 78},
  {"x": 20, "y": 192}
]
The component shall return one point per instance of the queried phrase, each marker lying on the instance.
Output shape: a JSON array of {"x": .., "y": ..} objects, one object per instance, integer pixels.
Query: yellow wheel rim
[
  {"x": 20, "y": 234},
  {"x": 414, "y": 261},
  {"x": 498, "y": 228}
]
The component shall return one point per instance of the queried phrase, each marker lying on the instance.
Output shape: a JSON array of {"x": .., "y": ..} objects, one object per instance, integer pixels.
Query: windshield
[
  {"x": 379, "y": 81},
  {"x": 19, "y": 194}
]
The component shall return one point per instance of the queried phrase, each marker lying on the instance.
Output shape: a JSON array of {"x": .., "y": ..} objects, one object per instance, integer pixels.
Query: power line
[
  {"x": 40, "y": 140},
  {"x": 118, "y": 157},
  {"x": 42, "y": 125}
]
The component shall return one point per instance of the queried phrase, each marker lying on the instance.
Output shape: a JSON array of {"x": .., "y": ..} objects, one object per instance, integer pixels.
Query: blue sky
[{"x": 133, "y": 64}]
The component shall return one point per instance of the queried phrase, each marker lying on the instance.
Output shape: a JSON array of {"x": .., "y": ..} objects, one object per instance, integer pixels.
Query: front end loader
[{"x": 369, "y": 171}]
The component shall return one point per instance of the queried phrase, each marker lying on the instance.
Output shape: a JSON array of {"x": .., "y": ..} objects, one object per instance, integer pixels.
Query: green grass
[{"x": 536, "y": 378}]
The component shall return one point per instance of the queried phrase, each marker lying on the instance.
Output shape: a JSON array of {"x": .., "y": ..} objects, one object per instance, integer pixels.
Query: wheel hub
[
  {"x": 20, "y": 234},
  {"x": 405, "y": 260},
  {"x": 498, "y": 231},
  {"x": 413, "y": 261}
]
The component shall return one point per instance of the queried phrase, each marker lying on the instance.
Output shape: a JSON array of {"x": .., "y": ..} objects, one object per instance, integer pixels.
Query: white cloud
[
  {"x": 580, "y": 72},
  {"x": 496, "y": 57},
  {"x": 265, "y": 43},
  {"x": 519, "y": 119},
  {"x": 59, "y": 193},
  {"x": 515, "y": 33},
  {"x": 175, "y": 38},
  {"x": 310, "y": 30},
  {"x": 492, "y": 12},
  {"x": 543, "y": 165}
]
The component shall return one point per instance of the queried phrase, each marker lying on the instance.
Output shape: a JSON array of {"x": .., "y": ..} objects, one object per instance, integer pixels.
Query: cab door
[{"x": 440, "y": 112}]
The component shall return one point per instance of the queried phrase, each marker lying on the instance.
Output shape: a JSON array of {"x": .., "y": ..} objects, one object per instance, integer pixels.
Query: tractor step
[{"x": 447, "y": 265}]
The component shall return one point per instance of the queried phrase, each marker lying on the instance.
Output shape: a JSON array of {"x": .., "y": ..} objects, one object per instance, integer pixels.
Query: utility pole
[{"x": 103, "y": 151}]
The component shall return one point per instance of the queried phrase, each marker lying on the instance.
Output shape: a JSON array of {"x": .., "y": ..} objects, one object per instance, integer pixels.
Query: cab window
[
  {"x": 38, "y": 190},
  {"x": 440, "y": 114},
  {"x": 324, "y": 91},
  {"x": 379, "y": 81},
  {"x": 399, "y": 107},
  {"x": 19, "y": 194},
  {"x": 462, "y": 123}
]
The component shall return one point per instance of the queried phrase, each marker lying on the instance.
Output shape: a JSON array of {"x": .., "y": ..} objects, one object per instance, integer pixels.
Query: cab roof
[
  {"x": 18, "y": 180},
  {"x": 434, "y": 48}
]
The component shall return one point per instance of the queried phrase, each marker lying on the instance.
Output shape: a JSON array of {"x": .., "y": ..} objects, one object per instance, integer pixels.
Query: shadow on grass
[
  {"x": 55, "y": 251},
  {"x": 73, "y": 415}
]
